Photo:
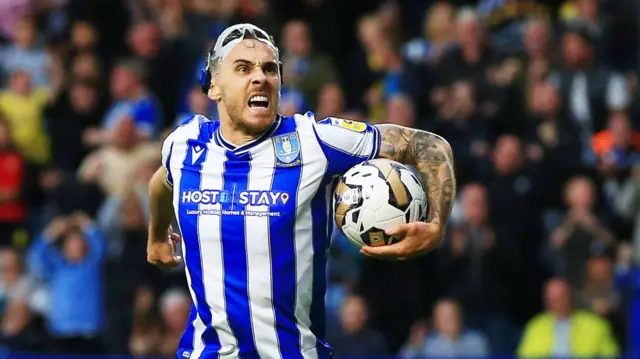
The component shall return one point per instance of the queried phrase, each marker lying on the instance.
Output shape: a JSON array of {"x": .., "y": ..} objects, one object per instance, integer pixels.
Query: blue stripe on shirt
[{"x": 234, "y": 253}]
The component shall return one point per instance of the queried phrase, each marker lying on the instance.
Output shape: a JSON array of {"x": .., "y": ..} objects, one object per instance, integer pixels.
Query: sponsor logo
[
  {"x": 354, "y": 126},
  {"x": 243, "y": 198}
]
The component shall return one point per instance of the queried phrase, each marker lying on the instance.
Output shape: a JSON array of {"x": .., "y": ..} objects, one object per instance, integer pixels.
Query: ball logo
[{"x": 244, "y": 198}]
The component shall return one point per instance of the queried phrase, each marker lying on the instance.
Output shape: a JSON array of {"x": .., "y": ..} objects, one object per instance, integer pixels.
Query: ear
[{"x": 215, "y": 92}]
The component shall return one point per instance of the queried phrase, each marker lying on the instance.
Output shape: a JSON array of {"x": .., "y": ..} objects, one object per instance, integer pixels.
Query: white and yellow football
[{"x": 374, "y": 196}]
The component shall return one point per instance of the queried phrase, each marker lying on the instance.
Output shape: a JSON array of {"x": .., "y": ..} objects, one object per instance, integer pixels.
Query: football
[{"x": 374, "y": 196}]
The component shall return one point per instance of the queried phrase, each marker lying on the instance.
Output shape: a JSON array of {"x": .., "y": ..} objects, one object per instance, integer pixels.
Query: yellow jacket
[{"x": 590, "y": 337}]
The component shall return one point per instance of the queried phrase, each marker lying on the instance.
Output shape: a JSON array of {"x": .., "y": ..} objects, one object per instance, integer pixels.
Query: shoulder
[
  {"x": 542, "y": 319},
  {"x": 193, "y": 128}
]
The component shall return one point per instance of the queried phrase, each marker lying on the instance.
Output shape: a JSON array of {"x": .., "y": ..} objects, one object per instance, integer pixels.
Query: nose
[{"x": 258, "y": 77}]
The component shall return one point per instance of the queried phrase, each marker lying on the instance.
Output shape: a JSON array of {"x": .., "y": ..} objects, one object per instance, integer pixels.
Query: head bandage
[
  {"x": 232, "y": 36},
  {"x": 229, "y": 38}
]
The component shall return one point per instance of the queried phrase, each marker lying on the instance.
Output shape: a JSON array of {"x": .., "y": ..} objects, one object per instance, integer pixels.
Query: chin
[{"x": 259, "y": 122}]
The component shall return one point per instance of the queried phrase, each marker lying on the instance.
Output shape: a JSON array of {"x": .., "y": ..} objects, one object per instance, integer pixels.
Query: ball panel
[
  {"x": 398, "y": 192},
  {"x": 383, "y": 165},
  {"x": 376, "y": 237},
  {"x": 346, "y": 198}
]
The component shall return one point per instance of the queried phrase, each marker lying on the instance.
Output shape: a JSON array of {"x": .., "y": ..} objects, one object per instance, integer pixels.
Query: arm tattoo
[{"x": 432, "y": 156}]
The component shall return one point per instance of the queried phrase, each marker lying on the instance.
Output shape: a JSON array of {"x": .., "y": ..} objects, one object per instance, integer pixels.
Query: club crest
[{"x": 287, "y": 149}]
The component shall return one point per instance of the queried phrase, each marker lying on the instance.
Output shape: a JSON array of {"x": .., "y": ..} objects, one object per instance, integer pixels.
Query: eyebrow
[{"x": 244, "y": 61}]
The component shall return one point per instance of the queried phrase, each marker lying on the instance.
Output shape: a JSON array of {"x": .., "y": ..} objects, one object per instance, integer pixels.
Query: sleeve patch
[{"x": 354, "y": 126}]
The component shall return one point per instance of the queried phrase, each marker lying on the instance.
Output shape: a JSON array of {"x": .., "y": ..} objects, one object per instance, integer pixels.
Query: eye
[
  {"x": 271, "y": 69},
  {"x": 243, "y": 68}
]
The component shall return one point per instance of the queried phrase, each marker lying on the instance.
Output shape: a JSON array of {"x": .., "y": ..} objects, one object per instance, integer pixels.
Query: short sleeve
[
  {"x": 167, "y": 149},
  {"x": 346, "y": 143}
]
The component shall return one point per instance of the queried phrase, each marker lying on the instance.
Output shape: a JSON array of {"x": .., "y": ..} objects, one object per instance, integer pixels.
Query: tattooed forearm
[{"x": 432, "y": 156}]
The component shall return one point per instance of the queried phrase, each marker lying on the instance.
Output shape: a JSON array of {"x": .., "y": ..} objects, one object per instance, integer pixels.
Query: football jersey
[{"x": 255, "y": 222}]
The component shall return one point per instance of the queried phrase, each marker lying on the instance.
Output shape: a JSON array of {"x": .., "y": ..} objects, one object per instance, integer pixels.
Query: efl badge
[
  {"x": 287, "y": 149},
  {"x": 354, "y": 126}
]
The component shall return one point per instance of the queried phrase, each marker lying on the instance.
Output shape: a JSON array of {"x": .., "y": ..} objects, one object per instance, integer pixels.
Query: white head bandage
[{"x": 234, "y": 35}]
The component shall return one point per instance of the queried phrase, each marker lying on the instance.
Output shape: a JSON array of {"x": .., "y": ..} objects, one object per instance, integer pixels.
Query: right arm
[{"x": 160, "y": 206}]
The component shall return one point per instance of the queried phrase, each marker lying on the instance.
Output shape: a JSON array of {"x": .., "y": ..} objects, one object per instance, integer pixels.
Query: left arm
[{"x": 433, "y": 157}]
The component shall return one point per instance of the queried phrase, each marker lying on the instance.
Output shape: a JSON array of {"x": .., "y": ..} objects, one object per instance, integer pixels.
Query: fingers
[
  {"x": 395, "y": 251},
  {"x": 167, "y": 262},
  {"x": 400, "y": 230},
  {"x": 175, "y": 238}
]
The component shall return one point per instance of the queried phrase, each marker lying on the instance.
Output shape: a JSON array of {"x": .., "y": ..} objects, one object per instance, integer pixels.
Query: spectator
[
  {"x": 23, "y": 105},
  {"x": 115, "y": 165},
  {"x": 356, "y": 339},
  {"x": 590, "y": 90},
  {"x": 331, "y": 102},
  {"x": 400, "y": 111},
  {"x": 13, "y": 209},
  {"x": 26, "y": 54},
  {"x": 174, "y": 307},
  {"x": 306, "y": 68},
  {"x": 438, "y": 37},
  {"x": 133, "y": 102},
  {"x": 626, "y": 204},
  {"x": 564, "y": 331},
  {"x": 449, "y": 339},
  {"x": 68, "y": 255},
  {"x": 580, "y": 234}
]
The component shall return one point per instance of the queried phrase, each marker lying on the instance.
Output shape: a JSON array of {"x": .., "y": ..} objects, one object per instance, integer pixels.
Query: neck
[{"x": 234, "y": 135}]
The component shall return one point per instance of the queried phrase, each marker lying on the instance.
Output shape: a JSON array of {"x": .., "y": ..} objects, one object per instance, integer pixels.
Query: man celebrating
[{"x": 251, "y": 195}]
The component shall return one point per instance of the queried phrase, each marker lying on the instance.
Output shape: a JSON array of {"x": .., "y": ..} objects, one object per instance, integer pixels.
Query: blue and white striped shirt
[{"x": 256, "y": 222}]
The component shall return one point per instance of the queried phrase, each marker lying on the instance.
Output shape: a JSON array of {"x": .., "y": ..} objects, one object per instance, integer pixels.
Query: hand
[
  {"x": 416, "y": 239},
  {"x": 162, "y": 253},
  {"x": 418, "y": 334},
  {"x": 56, "y": 228}
]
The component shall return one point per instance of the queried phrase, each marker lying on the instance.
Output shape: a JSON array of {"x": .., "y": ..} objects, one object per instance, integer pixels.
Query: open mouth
[{"x": 259, "y": 101}]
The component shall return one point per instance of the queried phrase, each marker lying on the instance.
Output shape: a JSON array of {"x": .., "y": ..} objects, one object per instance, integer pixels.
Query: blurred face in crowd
[
  {"x": 544, "y": 99},
  {"x": 474, "y": 204},
  {"x": 536, "y": 36},
  {"x": 124, "y": 82},
  {"x": 558, "y": 298},
  {"x": 621, "y": 130},
  {"x": 74, "y": 247},
  {"x": 440, "y": 22},
  {"x": 83, "y": 35},
  {"x": 400, "y": 111},
  {"x": 330, "y": 101},
  {"x": 250, "y": 70},
  {"x": 370, "y": 32},
  {"x": 143, "y": 301},
  {"x": 145, "y": 40},
  {"x": 124, "y": 135},
  {"x": 575, "y": 50},
  {"x": 469, "y": 30},
  {"x": 580, "y": 193},
  {"x": 353, "y": 314},
  {"x": 25, "y": 34},
  {"x": 85, "y": 66},
  {"x": 507, "y": 156},
  {"x": 20, "y": 83},
  {"x": 176, "y": 313},
  {"x": 600, "y": 269},
  {"x": 446, "y": 318},
  {"x": 297, "y": 39},
  {"x": 463, "y": 98},
  {"x": 10, "y": 266},
  {"x": 83, "y": 97},
  {"x": 588, "y": 9}
]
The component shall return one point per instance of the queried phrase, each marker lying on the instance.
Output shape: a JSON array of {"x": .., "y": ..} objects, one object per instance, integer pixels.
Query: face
[
  {"x": 74, "y": 247},
  {"x": 620, "y": 130},
  {"x": 85, "y": 67},
  {"x": 536, "y": 37},
  {"x": 580, "y": 193},
  {"x": 400, "y": 112},
  {"x": 474, "y": 204},
  {"x": 440, "y": 21},
  {"x": 83, "y": 97},
  {"x": 25, "y": 35},
  {"x": 558, "y": 297},
  {"x": 600, "y": 269},
  {"x": 545, "y": 99},
  {"x": 145, "y": 40},
  {"x": 10, "y": 266},
  {"x": 296, "y": 38},
  {"x": 469, "y": 31},
  {"x": 247, "y": 87},
  {"x": 507, "y": 155},
  {"x": 331, "y": 100},
  {"x": 353, "y": 315},
  {"x": 123, "y": 81},
  {"x": 574, "y": 50},
  {"x": 447, "y": 318},
  {"x": 83, "y": 35},
  {"x": 588, "y": 9},
  {"x": 20, "y": 83},
  {"x": 177, "y": 314}
]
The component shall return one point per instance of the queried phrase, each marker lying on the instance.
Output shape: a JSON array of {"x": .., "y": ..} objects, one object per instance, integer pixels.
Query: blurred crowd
[{"x": 538, "y": 98}]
